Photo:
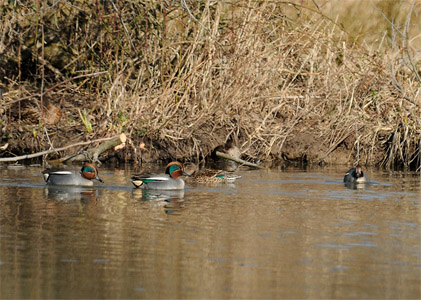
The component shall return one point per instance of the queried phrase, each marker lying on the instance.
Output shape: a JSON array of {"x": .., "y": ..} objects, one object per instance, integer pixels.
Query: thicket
[{"x": 282, "y": 79}]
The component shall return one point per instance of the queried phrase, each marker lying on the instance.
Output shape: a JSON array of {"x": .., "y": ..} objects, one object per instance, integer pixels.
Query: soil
[
  {"x": 25, "y": 137},
  {"x": 23, "y": 133}
]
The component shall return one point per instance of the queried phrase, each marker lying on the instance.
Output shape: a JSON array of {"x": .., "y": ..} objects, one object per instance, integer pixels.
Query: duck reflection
[
  {"x": 67, "y": 193},
  {"x": 159, "y": 195},
  {"x": 356, "y": 185},
  {"x": 173, "y": 199}
]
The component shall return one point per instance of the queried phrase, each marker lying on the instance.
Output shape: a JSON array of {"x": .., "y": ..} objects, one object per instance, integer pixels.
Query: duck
[
  {"x": 169, "y": 181},
  {"x": 58, "y": 176},
  {"x": 209, "y": 176},
  {"x": 356, "y": 175}
]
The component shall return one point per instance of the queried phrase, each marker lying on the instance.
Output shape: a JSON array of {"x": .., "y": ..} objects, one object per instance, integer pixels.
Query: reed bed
[{"x": 282, "y": 79}]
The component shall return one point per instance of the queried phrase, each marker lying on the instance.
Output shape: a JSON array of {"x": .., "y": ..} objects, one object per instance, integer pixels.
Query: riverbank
[{"x": 184, "y": 80}]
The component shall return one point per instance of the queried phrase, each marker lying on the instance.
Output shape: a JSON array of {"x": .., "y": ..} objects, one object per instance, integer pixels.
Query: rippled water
[{"x": 274, "y": 234}]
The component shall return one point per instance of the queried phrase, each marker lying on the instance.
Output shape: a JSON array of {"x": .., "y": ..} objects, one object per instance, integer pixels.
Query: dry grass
[{"x": 187, "y": 77}]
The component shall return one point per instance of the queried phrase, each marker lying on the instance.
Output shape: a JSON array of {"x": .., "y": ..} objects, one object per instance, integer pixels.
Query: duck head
[
  {"x": 190, "y": 168},
  {"x": 358, "y": 172},
  {"x": 175, "y": 169},
  {"x": 89, "y": 171}
]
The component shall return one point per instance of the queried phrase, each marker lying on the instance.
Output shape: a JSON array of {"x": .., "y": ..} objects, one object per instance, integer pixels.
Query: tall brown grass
[{"x": 187, "y": 76}]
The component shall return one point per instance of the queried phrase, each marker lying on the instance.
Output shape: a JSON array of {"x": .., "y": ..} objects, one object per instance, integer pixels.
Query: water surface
[{"x": 273, "y": 234}]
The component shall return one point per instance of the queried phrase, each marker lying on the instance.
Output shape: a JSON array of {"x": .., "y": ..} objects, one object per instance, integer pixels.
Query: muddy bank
[{"x": 304, "y": 145}]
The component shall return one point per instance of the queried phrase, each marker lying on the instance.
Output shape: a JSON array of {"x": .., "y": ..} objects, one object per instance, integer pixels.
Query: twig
[
  {"x": 126, "y": 31},
  {"x": 358, "y": 144},
  {"x": 56, "y": 85},
  {"x": 93, "y": 154},
  {"x": 237, "y": 160},
  {"x": 28, "y": 156},
  {"x": 184, "y": 5},
  {"x": 48, "y": 138},
  {"x": 386, "y": 18},
  {"x": 314, "y": 2},
  {"x": 73, "y": 78},
  {"x": 334, "y": 146},
  {"x": 404, "y": 35},
  {"x": 406, "y": 39},
  {"x": 45, "y": 62}
]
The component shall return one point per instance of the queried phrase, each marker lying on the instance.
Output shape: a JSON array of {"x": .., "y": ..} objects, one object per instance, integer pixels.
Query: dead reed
[{"x": 280, "y": 77}]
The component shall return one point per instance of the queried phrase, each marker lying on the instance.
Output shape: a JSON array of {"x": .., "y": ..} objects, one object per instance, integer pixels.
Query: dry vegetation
[{"x": 285, "y": 80}]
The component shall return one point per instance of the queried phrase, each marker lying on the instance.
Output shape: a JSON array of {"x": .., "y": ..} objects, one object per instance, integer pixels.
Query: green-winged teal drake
[
  {"x": 209, "y": 176},
  {"x": 169, "y": 181},
  {"x": 356, "y": 175},
  {"x": 57, "y": 176}
]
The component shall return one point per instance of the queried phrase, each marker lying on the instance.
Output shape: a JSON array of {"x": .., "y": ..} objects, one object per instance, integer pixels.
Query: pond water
[{"x": 275, "y": 233}]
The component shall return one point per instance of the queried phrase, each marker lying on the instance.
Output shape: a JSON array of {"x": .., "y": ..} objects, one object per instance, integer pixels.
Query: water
[{"x": 274, "y": 234}]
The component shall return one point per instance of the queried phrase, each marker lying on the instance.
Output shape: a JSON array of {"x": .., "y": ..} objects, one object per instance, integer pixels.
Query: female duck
[
  {"x": 169, "y": 181},
  {"x": 356, "y": 175},
  {"x": 209, "y": 176},
  {"x": 56, "y": 176}
]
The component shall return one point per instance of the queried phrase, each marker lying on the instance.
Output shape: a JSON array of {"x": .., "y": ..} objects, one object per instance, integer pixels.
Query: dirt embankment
[{"x": 182, "y": 81}]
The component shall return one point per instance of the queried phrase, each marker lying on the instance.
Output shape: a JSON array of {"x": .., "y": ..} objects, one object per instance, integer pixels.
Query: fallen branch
[
  {"x": 93, "y": 154},
  {"x": 121, "y": 138},
  {"x": 237, "y": 160}
]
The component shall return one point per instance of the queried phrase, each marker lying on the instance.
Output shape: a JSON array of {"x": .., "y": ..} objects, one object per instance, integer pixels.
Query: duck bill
[
  {"x": 186, "y": 174},
  {"x": 99, "y": 179}
]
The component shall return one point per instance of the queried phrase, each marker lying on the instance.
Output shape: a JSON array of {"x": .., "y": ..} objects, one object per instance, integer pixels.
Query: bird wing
[
  {"x": 150, "y": 177},
  {"x": 56, "y": 171}
]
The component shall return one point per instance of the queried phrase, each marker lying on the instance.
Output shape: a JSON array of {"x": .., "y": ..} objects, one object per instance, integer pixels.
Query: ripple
[
  {"x": 363, "y": 244},
  {"x": 100, "y": 260},
  {"x": 358, "y": 233},
  {"x": 338, "y": 268},
  {"x": 68, "y": 260},
  {"x": 333, "y": 246}
]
